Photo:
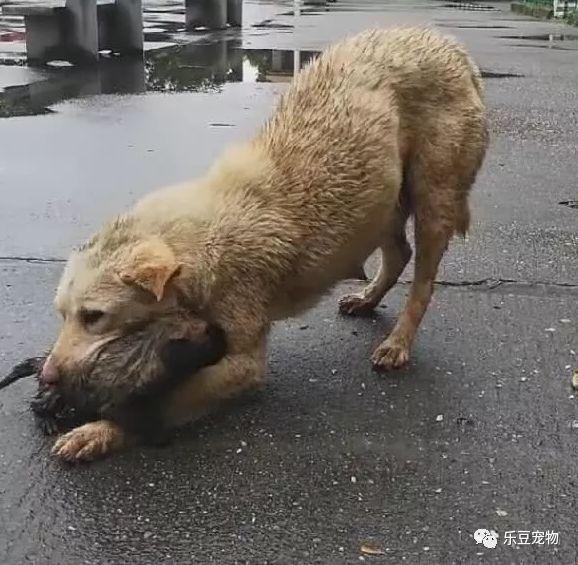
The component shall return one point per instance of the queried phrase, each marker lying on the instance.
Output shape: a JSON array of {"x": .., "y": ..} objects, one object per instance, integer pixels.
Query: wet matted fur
[
  {"x": 126, "y": 377},
  {"x": 383, "y": 125},
  {"x": 144, "y": 363}
]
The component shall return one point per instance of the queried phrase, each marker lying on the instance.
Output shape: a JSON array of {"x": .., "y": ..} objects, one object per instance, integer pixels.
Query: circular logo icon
[{"x": 487, "y": 537}]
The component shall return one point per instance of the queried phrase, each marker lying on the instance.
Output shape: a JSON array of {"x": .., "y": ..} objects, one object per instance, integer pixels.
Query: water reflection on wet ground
[
  {"x": 546, "y": 37},
  {"x": 173, "y": 64},
  {"x": 163, "y": 21},
  {"x": 469, "y": 6},
  {"x": 198, "y": 67},
  {"x": 175, "y": 60},
  {"x": 555, "y": 41}
]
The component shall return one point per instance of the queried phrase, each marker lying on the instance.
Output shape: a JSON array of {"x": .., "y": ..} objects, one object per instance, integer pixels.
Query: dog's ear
[{"x": 150, "y": 265}]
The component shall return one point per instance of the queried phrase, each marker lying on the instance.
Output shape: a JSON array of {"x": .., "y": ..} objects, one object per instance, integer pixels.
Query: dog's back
[
  {"x": 348, "y": 147},
  {"x": 370, "y": 98},
  {"x": 354, "y": 131}
]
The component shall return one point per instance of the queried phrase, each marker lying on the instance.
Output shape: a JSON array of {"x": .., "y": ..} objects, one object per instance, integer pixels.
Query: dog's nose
[{"x": 49, "y": 374}]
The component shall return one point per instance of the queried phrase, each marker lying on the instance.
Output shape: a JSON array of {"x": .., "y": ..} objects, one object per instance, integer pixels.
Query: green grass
[
  {"x": 542, "y": 10},
  {"x": 572, "y": 18}
]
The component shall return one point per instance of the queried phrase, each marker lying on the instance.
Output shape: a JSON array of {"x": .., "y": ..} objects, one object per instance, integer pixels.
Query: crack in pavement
[
  {"x": 492, "y": 283},
  {"x": 32, "y": 259},
  {"x": 484, "y": 285},
  {"x": 510, "y": 286}
]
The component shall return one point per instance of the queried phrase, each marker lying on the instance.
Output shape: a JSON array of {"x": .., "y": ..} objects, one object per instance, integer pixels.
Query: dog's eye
[{"x": 90, "y": 317}]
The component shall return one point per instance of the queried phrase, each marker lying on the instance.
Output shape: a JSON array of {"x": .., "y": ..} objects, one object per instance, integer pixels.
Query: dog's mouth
[
  {"x": 108, "y": 378},
  {"x": 124, "y": 377},
  {"x": 141, "y": 365}
]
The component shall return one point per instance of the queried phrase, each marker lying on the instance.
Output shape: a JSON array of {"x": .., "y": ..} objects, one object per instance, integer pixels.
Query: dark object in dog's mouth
[
  {"x": 130, "y": 374},
  {"x": 26, "y": 368},
  {"x": 148, "y": 363},
  {"x": 52, "y": 413}
]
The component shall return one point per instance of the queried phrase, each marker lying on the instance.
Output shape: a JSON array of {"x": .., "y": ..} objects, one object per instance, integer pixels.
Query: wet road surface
[{"x": 479, "y": 432}]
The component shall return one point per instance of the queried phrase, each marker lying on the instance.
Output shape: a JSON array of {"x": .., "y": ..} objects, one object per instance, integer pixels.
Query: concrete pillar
[
  {"x": 296, "y": 62},
  {"x": 43, "y": 37},
  {"x": 78, "y": 30},
  {"x": 277, "y": 61},
  {"x": 128, "y": 18},
  {"x": 211, "y": 14},
  {"x": 81, "y": 29},
  {"x": 235, "y": 13}
]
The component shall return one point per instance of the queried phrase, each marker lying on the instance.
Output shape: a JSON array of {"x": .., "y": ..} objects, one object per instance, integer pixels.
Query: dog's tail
[
  {"x": 461, "y": 216},
  {"x": 407, "y": 205}
]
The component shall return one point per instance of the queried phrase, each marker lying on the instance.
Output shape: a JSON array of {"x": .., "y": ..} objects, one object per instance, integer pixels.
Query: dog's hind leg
[
  {"x": 395, "y": 255},
  {"x": 439, "y": 195},
  {"x": 430, "y": 247},
  {"x": 442, "y": 171}
]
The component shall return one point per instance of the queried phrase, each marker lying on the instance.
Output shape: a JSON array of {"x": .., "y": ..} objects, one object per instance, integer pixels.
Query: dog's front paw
[
  {"x": 356, "y": 305},
  {"x": 391, "y": 354},
  {"x": 89, "y": 442}
]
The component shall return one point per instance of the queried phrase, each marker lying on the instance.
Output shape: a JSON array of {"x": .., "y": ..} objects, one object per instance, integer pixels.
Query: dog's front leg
[
  {"x": 91, "y": 441},
  {"x": 205, "y": 390},
  {"x": 234, "y": 374},
  {"x": 242, "y": 313}
]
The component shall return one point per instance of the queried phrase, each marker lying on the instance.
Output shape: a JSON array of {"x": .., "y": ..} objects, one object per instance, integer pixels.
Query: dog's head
[
  {"x": 119, "y": 304},
  {"x": 142, "y": 364}
]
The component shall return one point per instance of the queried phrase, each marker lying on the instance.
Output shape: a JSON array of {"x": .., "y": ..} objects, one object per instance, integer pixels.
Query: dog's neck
[{"x": 226, "y": 214}]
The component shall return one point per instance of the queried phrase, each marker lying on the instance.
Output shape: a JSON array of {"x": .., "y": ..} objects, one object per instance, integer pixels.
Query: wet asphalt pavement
[{"x": 480, "y": 431}]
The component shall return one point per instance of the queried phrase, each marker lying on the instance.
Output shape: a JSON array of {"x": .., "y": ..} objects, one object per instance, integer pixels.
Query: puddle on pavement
[
  {"x": 162, "y": 31},
  {"x": 469, "y": 6},
  {"x": 494, "y": 74},
  {"x": 471, "y": 26},
  {"x": 305, "y": 12},
  {"x": 553, "y": 46},
  {"x": 544, "y": 37},
  {"x": 314, "y": 8},
  {"x": 271, "y": 24},
  {"x": 197, "y": 67},
  {"x": 555, "y": 41}
]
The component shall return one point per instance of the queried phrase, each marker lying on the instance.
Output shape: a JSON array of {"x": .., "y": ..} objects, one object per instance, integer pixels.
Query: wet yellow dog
[{"x": 383, "y": 125}]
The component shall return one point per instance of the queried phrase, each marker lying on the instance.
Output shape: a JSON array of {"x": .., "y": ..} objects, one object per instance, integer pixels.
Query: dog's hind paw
[
  {"x": 89, "y": 442},
  {"x": 390, "y": 355}
]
